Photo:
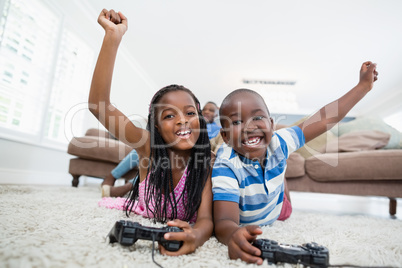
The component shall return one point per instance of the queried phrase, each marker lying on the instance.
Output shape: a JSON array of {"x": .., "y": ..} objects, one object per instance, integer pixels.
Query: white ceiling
[{"x": 210, "y": 46}]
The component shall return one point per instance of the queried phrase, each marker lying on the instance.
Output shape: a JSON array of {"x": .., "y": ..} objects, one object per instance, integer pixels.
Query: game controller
[
  {"x": 307, "y": 254},
  {"x": 128, "y": 232}
]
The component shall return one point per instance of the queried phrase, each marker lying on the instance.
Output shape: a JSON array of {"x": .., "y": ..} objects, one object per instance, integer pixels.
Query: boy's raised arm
[
  {"x": 115, "y": 26},
  {"x": 332, "y": 113}
]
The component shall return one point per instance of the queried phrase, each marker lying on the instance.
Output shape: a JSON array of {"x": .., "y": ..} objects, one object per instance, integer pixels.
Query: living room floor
[
  {"x": 345, "y": 204},
  {"x": 323, "y": 203}
]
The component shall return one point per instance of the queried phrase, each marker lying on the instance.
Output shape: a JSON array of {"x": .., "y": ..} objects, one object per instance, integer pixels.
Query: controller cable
[{"x": 153, "y": 251}]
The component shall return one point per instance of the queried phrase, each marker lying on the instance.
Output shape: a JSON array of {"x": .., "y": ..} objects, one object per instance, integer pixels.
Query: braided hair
[{"x": 160, "y": 182}]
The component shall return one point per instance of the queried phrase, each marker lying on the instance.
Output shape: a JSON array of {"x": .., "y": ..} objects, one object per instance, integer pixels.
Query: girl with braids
[
  {"x": 174, "y": 183},
  {"x": 130, "y": 161}
]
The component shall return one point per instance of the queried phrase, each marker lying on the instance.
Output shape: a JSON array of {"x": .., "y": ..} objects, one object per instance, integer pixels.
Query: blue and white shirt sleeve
[
  {"x": 293, "y": 137},
  {"x": 225, "y": 186}
]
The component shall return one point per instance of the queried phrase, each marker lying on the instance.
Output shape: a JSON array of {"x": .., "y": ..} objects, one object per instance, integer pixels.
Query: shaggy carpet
[{"x": 52, "y": 226}]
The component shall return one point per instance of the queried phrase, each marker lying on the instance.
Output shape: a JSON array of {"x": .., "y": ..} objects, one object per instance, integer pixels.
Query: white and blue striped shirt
[{"x": 258, "y": 192}]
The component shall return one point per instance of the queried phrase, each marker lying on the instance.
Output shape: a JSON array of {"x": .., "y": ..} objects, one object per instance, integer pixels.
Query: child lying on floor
[{"x": 248, "y": 175}]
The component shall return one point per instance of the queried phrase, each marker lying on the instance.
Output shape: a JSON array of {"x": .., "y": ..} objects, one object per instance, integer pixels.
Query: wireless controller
[
  {"x": 128, "y": 232},
  {"x": 306, "y": 254}
]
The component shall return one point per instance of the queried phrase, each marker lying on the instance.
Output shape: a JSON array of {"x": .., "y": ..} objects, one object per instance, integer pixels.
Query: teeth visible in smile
[
  {"x": 252, "y": 141},
  {"x": 183, "y": 132}
]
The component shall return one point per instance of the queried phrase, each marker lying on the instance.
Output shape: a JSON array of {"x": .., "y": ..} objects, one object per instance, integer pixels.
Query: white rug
[{"x": 64, "y": 227}]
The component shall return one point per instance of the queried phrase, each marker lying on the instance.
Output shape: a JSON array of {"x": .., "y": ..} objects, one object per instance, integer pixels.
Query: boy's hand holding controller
[
  {"x": 239, "y": 244},
  {"x": 226, "y": 218}
]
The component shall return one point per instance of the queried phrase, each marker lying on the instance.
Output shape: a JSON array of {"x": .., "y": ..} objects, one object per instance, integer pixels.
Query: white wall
[
  {"x": 24, "y": 163},
  {"x": 131, "y": 91}
]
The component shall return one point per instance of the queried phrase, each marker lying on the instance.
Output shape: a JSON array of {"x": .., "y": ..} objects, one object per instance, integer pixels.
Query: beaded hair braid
[{"x": 159, "y": 170}]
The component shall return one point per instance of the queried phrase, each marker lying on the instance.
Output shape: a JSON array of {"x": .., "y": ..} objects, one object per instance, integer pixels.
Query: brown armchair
[{"x": 97, "y": 154}]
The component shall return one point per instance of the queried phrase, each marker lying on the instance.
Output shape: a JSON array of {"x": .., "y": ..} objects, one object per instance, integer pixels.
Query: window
[
  {"x": 44, "y": 71},
  {"x": 395, "y": 120},
  {"x": 70, "y": 86}
]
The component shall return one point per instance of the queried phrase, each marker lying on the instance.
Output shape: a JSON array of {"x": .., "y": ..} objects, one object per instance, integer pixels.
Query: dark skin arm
[
  {"x": 115, "y": 26},
  {"x": 332, "y": 113},
  {"x": 226, "y": 214},
  {"x": 195, "y": 236},
  {"x": 238, "y": 239}
]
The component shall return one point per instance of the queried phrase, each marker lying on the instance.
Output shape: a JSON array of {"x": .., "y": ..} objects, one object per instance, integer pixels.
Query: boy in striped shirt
[{"x": 248, "y": 175}]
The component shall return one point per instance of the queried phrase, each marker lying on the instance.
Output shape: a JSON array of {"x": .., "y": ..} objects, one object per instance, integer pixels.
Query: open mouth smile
[
  {"x": 184, "y": 134},
  {"x": 252, "y": 142}
]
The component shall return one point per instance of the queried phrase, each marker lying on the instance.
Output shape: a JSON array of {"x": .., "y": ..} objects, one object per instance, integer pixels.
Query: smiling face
[
  {"x": 178, "y": 120},
  {"x": 246, "y": 125}
]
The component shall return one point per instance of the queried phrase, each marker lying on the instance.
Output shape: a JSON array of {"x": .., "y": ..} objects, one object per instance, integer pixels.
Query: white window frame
[{"x": 39, "y": 139}]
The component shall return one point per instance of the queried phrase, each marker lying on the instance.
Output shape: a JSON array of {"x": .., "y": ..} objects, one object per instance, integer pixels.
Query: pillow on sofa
[
  {"x": 371, "y": 123},
  {"x": 358, "y": 141},
  {"x": 314, "y": 146}
]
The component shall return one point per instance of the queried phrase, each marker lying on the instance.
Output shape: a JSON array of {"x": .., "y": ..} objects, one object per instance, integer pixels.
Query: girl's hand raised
[
  {"x": 188, "y": 236},
  {"x": 110, "y": 20}
]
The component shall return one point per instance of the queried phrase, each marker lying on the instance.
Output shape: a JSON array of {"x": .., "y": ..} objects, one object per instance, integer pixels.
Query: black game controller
[
  {"x": 128, "y": 232},
  {"x": 306, "y": 254}
]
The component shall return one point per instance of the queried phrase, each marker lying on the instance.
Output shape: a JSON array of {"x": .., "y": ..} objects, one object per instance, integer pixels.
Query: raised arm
[
  {"x": 115, "y": 26},
  {"x": 332, "y": 113}
]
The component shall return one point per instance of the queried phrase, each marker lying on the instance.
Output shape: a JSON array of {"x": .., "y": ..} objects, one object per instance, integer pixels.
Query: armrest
[
  {"x": 98, "y": 133},
  {"x": 98, "y": 148}
]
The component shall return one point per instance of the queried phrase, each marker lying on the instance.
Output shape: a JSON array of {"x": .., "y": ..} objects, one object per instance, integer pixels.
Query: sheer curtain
[{"x": 45, "y": 71}]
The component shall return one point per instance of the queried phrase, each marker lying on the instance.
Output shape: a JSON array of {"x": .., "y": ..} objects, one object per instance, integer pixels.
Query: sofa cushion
[
  {"x": 316, "y": 145},
  {"x": 356, "y": 166},
  {"x": 371, "y": 123},
  {"x": 358, "y": 141},
  {"x": 98, "y": 148},
  {"x": 295, "y": 166}
]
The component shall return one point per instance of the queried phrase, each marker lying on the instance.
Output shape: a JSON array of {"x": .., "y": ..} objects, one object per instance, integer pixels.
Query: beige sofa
[
  {"x": 367, "y": 170},
  {"x": 370, "y": 173},
  {"x": 353, "y": 163}
]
